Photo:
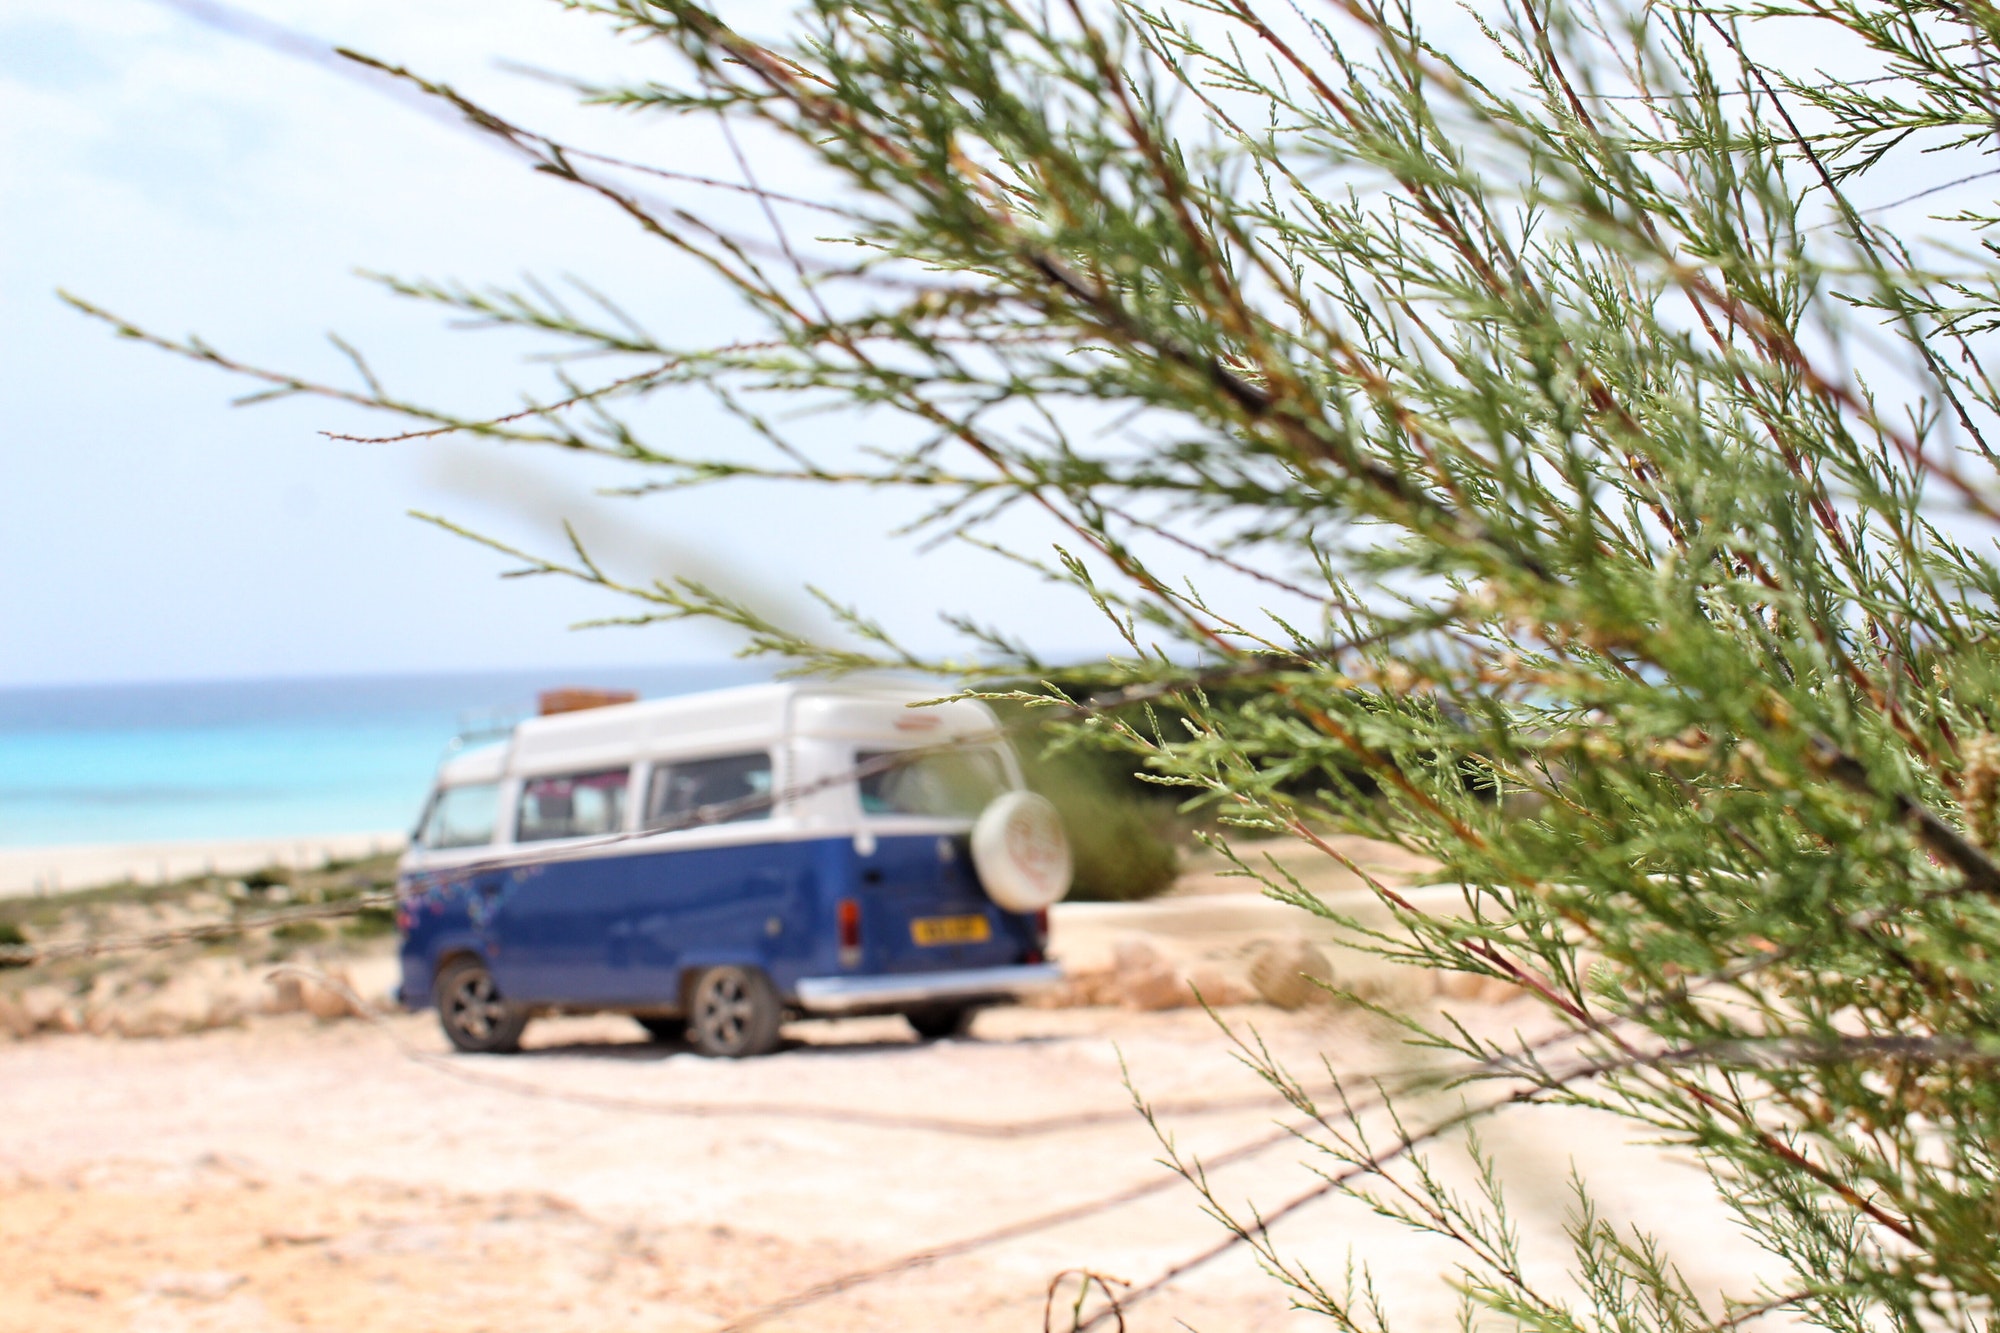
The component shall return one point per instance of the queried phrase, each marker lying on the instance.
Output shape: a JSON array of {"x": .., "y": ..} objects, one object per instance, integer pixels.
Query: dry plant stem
[
  {"x": 28, "y": 955},
  {"x": 1770, "y": 339},
  {"x": 1086, "y": 1279},
  {"x": 458, "y": 1070}
]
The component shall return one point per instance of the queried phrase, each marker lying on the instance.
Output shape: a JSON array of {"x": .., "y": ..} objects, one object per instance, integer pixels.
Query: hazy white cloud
[{"x": 197, "y": 181}]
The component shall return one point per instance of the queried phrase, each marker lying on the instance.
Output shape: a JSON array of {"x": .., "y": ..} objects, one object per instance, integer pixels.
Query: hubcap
[
  {"x": 723, "y": 1010},
  {"x": 475, "y": 1007}
]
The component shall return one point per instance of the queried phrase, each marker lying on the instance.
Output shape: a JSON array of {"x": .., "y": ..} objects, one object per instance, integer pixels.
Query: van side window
[
  {"x": 722, "y": 790},
  {"x": 946, "y": 782},
  {"x": 461, "y": 816},
  {"x": 574, "y": 805}
]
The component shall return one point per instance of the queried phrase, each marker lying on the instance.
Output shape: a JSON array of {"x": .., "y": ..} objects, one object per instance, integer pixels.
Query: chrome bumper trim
[{"x": 837, "y": 995}]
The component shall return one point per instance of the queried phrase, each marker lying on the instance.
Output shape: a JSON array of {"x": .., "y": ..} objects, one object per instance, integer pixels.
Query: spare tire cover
[{"x": 1021, "y": 852}]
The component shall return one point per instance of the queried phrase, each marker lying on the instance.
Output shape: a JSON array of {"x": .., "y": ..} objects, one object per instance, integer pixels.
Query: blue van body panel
[
  {"x": 625, "y": 931},
  {"x": 436, "y": 919}
]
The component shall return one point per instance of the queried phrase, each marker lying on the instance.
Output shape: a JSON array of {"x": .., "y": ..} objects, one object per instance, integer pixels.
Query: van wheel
[
  {"x": 733, "y": 1012},
  {"x": 474, "y": 1016},
  {"x": 945, "y": 1021}
]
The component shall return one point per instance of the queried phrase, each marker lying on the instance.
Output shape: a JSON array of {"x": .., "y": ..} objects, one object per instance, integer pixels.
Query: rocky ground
[
  {"x": 190, "y": 1144},
  {"x": 198, "y": 984},
  {"x": 1214, "y": 939}
]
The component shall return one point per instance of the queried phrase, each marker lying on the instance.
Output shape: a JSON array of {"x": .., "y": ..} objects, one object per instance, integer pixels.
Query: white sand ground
[
  {"x": 289, "y": 1176},
  {"x": 50, "y": 869}
]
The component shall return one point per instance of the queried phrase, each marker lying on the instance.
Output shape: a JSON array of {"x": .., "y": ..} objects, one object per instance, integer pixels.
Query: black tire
[
  {"x": 475, "y": 1017},
  {"x": 943, "y": 1021},
  {"x": 733, "y": 1012},
  {"x": 662, "y": 1029}
]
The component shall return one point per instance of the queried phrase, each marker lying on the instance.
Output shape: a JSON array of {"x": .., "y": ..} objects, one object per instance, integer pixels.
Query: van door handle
[{"x": 871, "y": 876}]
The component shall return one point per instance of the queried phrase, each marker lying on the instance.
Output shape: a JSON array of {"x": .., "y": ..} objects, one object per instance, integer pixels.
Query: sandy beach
[
  {"x": 291, "y": 1176},
  {"x": 179, "y": 1157},
  {"x": 55, "y": 868}
]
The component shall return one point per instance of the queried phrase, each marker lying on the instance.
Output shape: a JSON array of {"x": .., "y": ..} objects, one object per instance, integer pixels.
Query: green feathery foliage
[{"x": 1602, "y": 423}]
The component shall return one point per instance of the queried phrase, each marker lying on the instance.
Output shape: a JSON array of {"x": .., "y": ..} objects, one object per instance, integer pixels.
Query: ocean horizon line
[{"x": 258, "y": 758}]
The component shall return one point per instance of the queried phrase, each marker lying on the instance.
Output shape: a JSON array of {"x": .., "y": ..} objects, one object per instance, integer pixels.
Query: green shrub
[
  {"x": 1124, "y": 848},
  {"x": 1124, "y": 832},
  {"x": 370, "y": 923}
]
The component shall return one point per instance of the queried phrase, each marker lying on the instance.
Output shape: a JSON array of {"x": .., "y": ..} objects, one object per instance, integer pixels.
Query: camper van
[{"x": 717, "y": 863}]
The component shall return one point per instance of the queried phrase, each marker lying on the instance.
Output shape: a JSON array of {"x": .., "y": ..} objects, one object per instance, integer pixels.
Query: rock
[
  {"x": 1143, "y": 979},
  {"x": 1141, "y": 976},
  {"x": 1092, "y": 987},
  {"x": 1134, "y": 953},
  {"x": 1461, "y": 985},
  {"x": 1157, "y": 987},
  {"x": 1103, "y": 987},
  {"x": 192, "y": 1004},
  {"x": 285, "y": 994},
  {"x": 1476, "y": 988},
  {"x": 14, "y": 1021},
  {"x": 330, "y": 1003},
  {"x": 1210, "y": 985},
  {"x": 1285, "y": 972},
  {"x": 155, "y": 1015},
  {"x": 234, "y": 993},
  {"x": 198, "y": 998},
  {"x": 50, "y": 1009}
]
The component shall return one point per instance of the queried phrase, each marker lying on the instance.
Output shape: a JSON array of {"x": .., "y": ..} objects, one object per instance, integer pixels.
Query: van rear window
[
  {"x": 461, "y": 816},
  {"x": 575, "y": 805},
  {"x": 947, "y": 782},
  {"x": 722, "y": 790}
]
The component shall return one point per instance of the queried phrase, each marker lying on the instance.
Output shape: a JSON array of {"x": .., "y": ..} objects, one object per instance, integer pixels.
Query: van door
[
  {"x": 549, "y": 913},
  {"x": 747, "y": 901},
  {"x": 922, "y": 907},
  {"x": 714, "y": 885}
]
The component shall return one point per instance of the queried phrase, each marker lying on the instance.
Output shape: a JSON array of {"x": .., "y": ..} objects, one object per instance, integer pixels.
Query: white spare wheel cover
[{"x": 1021, "y": 852}]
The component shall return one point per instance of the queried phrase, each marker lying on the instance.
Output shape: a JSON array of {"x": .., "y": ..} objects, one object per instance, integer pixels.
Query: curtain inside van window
[
  {"x": 576, "y": 805},
  {"x": 722, "y": 790}
]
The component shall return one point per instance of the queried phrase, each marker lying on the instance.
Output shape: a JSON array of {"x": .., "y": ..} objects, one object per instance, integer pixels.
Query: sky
[{"x": 197, "y": 182}]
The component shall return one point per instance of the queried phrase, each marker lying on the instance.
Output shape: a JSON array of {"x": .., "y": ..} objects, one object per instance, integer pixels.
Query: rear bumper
[{"x": 848, "y": 995}]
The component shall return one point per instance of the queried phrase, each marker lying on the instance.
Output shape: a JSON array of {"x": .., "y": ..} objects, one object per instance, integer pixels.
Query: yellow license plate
[{"x": 951, "y": 930}]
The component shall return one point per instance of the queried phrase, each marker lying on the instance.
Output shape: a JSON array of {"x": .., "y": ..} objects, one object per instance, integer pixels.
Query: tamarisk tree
[{"x": 1550, "y": 437}]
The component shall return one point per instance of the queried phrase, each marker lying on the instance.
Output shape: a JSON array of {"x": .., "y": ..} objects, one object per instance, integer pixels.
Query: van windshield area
[
  {"x": 460, "y": 817},
  {"x": 574, "y": 805},
  {"x": 722, "y": 790},
  {"x": 947, "y": 783}
]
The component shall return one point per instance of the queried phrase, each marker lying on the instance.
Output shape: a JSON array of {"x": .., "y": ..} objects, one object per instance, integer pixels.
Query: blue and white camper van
[{"x": 716, "y": 863}]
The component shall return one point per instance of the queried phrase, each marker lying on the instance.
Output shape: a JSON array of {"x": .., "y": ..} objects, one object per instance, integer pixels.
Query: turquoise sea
[{"x": 261, "y": 758}]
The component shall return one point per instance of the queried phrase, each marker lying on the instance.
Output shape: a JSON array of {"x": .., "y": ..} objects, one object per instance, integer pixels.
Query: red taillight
[
  {"x": 849, "y": 914},
  {"x": 1040, "y": 952}
]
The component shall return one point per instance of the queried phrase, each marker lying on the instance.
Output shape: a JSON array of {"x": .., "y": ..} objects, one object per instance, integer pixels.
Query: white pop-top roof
[{"x": 719, "y": 721}]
